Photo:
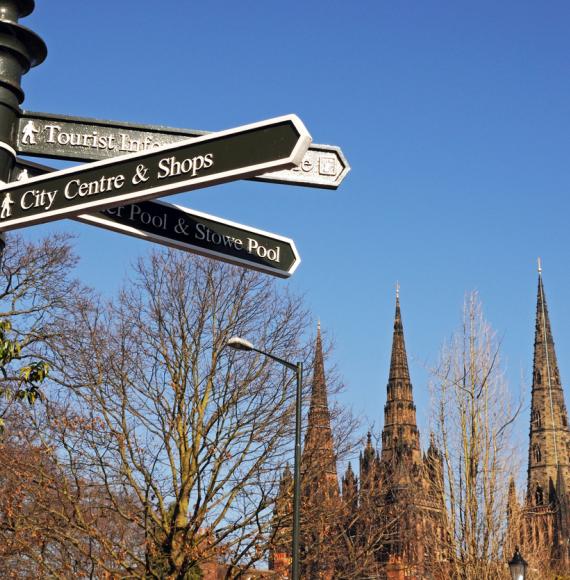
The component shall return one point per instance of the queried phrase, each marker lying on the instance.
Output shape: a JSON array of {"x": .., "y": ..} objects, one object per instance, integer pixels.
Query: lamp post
[
  {"x": 518, "y": 566},
  {"x": 242, "y": 344}
]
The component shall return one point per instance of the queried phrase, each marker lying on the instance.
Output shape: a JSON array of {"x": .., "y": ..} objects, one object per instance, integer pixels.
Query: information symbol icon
[{"x": 327, "y": 166}]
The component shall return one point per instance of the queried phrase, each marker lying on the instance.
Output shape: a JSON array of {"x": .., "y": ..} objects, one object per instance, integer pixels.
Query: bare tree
[
  {"x": 35, "y": 288},
  {"x": 52, "y": 525},
  {"x": 473, "y": 418},
  {"x": 180, "y": 438}
]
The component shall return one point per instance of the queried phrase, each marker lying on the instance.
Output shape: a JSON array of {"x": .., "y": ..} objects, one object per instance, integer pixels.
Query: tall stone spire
[
  {"x": 320, "y": 493},
  {"x": 549, "y": 448},
  {"x": 400, "y": 437},
  {"x": 318, "y": 452}
]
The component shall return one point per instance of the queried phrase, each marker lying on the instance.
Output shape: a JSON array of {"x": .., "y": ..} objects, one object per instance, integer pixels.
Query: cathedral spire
[
  {"x": 400, "y": 437},
  {"x": 318, "y": 452},
  {"x": 549, "y": 448},
  {"x": 399, "y": 359}
]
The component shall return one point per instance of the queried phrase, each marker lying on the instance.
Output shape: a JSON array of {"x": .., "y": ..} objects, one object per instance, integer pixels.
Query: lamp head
[
  {"x": 239, "y": 343},
  {"x": 518, "y": 566}
]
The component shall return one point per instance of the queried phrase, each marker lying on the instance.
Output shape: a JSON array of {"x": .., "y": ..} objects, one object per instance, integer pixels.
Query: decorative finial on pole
[
  {"x": 20, "y": 49},
  {"x": 397, "y": 290},
  {"x": 319, "y": 326},
  {"x": 539, "y": 266}
]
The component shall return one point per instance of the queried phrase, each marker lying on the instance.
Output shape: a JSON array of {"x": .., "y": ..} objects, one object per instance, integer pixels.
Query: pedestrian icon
[
  {"x": 6, "y": 206},
  {"x": 29, "y": 133}
]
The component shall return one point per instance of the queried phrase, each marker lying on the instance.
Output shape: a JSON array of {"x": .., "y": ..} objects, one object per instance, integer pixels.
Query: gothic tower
[
  {"x": 410, "y": 483},
  {"x": 320, "y": 494},
  {"x": 549, "y": 446}
]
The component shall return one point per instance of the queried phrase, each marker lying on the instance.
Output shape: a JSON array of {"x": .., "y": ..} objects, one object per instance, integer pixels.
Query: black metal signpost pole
[{"x": 20, "y": 49}]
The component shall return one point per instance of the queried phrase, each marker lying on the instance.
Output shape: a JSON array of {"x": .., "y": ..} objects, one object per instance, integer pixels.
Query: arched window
[
  {"x": 537, "y": 454},
  {"x": 537, "y": 420},
  {"x": 538, "y": 378}
]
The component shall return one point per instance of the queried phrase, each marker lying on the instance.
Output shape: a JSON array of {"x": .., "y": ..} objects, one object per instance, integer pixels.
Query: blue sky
[{"x": 454, "y": 117}]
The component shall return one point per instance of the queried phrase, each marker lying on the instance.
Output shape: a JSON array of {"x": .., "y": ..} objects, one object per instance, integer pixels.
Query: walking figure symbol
[
  {"x": 6, "y": 206},
  {"x": 29, "y": 133}
]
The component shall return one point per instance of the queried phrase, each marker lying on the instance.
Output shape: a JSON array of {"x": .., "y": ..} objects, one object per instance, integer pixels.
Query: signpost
[
  {"x": 200, "y": 233},
  {"x": 135, "y": 163},
  {"x": 190, "y": 164},
  {"x": 83, "y": 139}
]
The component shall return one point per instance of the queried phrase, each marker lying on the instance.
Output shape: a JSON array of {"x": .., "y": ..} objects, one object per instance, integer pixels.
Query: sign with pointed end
[
  {"x": 85, "y": 139},
  {"x": 190, "y": 164},
  {"x": 200, "y": 233}
]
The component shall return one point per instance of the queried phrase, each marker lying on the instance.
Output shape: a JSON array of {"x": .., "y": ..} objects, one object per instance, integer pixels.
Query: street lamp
[
  {"x": 518, "y": 566},
  {"x": 242, "y": 344}
]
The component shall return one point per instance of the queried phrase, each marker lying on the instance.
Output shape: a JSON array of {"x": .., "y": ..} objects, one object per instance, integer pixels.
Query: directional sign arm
[
  {"x": 85, "y": 139},
  {"x": 190, "y": 164},
  {"x": 184, "y": 229}
]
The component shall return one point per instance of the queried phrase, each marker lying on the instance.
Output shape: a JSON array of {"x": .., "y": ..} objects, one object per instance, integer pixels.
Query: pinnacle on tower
[
  {"x": 433, "y": 461},
  {"x": 512, "y": 501},
  {"x": 368, "y": 467},
  {"x": 350, "y": 488}
]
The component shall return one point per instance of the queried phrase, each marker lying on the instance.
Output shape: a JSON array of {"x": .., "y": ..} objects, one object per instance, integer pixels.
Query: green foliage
[
  {"x": 9, "y": 349},
  {"x": 28, "y": 378},
  {"x": 34, "y": 373}
]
